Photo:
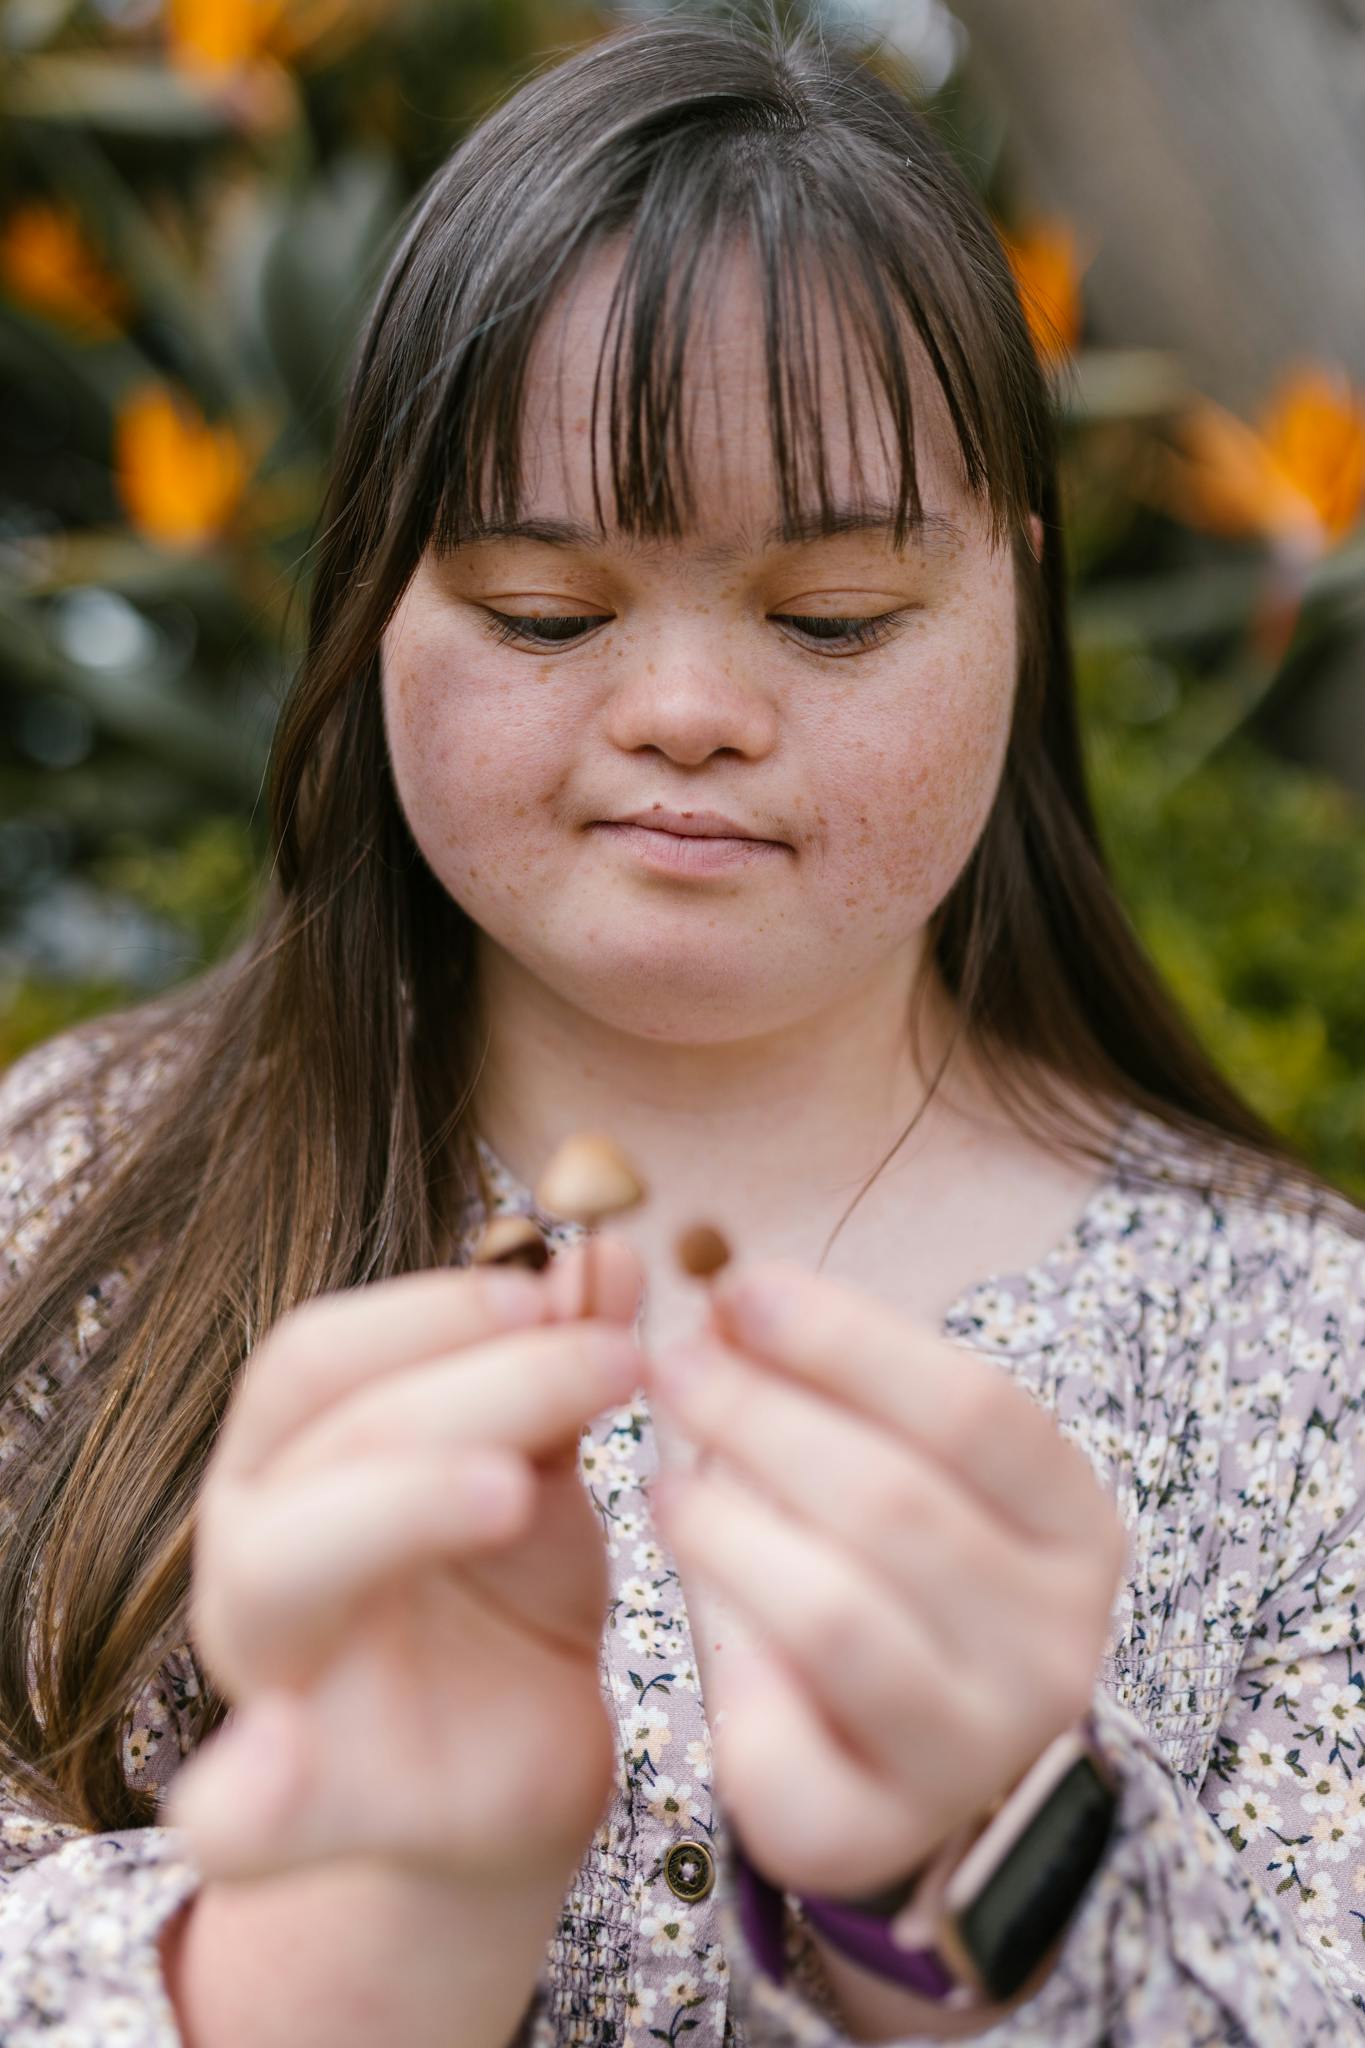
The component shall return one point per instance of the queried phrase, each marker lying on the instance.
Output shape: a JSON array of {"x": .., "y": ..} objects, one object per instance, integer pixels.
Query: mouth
[
  {"x": 691, "y": 824},
  {"x": 688, "y": 853}
]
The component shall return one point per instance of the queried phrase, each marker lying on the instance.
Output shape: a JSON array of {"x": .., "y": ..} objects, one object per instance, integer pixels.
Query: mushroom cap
[
  {"x": 512, "y": 1241},
  {"x": 701, "y": 1250},
  {"x": 589, "y": 1176}
]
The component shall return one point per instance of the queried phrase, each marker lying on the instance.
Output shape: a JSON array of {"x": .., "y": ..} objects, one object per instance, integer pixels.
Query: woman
[{"x": 685, "y": 746}]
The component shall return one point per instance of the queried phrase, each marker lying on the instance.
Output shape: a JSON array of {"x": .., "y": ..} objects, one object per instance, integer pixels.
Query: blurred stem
[{"x": 1224, "y": 705}]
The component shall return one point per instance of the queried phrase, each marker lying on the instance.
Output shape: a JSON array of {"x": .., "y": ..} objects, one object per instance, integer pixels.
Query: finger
[
  {"x": 317, "y": 1354},
  {"x": 870, "y": 1667},
  {"x": 290, "y": 1793},
  {"x": 962, "y": 1409},
  {"x": 531, "y": 1391},
  {"x": 298, "y": 1565},
  {"x": 911, "y": 1523},
  {"x": 849, "y": 1831}
]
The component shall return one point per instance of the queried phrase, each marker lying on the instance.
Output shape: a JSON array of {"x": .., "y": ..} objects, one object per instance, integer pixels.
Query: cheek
[
  {"x": 920, "y": 794},
  {"x": 473, "y": 768}
]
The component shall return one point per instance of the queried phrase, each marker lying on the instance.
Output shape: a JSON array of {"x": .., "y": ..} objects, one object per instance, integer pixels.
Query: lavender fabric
[{"x": 1207, "y": 1353}]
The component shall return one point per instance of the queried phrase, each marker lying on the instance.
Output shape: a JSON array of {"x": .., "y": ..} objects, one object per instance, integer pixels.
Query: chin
[{"x": 681, "y": 1004}]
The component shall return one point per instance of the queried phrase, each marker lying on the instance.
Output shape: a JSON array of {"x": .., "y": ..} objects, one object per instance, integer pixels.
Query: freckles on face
[
  {"x": 481, "y": 771},
  {"x": 904, "y": 793},
  {"x": 879, "y": 768}
]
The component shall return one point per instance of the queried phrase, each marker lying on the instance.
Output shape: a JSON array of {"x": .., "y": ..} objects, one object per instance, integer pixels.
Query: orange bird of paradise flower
[
  {"x": 217, "y": 37},
  {"x": 1296, "y": 478},
  {"x": 47, "y": 262},
  {"x": 180, "y": 478},
  {"x": 1047, "y": 263}
]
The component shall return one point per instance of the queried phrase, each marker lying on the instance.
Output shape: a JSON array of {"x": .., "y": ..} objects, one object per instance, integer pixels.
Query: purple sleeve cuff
[
  {"x": 762, "y": 1915},
  {"x": 867, "y": 1942}
]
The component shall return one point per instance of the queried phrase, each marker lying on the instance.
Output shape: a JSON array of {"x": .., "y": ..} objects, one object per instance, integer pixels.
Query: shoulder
[
  {"x": 1214, "y": 1369},
  {"x": 1206, "y": 1305},
  {"x": 1196, "y": 1221},
  {"x": 64, "y": 1105},
  {"x": 1248, "y": 1327},
  {"x": 46, "y": 1132},
  {"x": 57, "y": 1067}
]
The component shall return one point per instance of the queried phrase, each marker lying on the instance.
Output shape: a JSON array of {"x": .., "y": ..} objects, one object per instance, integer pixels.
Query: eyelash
[{"x": 871, "y": 632}]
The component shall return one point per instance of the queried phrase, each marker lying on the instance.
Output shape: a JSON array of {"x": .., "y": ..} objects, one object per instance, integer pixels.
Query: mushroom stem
[{"x": 588, "y": 1178}]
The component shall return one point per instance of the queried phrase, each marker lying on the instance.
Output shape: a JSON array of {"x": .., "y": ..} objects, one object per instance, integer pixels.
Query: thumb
[{"x": 236, "y": 1797}]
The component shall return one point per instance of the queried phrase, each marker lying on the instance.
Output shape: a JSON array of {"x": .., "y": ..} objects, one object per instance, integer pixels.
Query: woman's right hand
[{"x": 399, "y": 1580}]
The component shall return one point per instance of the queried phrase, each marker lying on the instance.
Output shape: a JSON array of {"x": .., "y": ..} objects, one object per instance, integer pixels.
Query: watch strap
[
  {"x": 846, "y": 1924},
  {"x": 865, "y": 1939},
  {"x": 987, "y": 1910}
]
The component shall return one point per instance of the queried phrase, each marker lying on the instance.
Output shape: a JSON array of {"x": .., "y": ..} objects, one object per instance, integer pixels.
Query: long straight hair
[{"x": 305, "y": 1124}]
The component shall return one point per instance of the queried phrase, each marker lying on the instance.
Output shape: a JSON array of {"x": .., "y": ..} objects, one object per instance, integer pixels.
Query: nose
[{"x": 689, "y": 695}]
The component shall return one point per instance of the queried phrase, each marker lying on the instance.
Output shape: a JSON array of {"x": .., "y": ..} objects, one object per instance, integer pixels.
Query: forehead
[{"x": 835, "y": 402}]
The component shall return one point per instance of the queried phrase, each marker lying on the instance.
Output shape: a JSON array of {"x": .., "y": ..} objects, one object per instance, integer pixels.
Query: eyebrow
[{"x": 932, "y": 531}]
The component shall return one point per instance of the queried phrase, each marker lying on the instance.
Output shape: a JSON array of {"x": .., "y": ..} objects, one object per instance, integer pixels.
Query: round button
[{"x": 690, "y": 1869}]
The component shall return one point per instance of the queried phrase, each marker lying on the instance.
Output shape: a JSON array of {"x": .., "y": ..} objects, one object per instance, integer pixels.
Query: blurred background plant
[{"x": 195, "y": 199}]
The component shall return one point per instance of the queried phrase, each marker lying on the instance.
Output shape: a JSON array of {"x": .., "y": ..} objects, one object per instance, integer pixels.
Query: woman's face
[{"x": 717, "y": 673}]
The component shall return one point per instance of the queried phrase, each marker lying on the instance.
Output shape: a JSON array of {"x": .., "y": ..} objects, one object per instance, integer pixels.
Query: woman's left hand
[{"x": 928, "y": 1564}]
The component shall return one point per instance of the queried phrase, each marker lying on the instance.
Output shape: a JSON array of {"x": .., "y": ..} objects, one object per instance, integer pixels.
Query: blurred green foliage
[
  {"x": 1246, "y": 880},
  {"x": 204, "y": 885},
  {"x": 195, "y": 198}
]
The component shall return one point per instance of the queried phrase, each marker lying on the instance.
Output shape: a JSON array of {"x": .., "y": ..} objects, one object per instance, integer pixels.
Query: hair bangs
[{"x": 796, "y": 208}]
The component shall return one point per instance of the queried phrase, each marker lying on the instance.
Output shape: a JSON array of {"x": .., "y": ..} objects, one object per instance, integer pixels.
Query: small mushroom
[
  {"x": 512, "y": 1241},
  {"x": 701, "y": 1251},
  {"x": 587, "y": 1178}
]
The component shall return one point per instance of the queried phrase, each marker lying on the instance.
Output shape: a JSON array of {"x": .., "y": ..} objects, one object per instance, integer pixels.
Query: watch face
[{"x": 1024, "y": 1905}]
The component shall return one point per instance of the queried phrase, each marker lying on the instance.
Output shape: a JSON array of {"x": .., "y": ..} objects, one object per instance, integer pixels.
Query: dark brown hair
[{"x": 310, "y": 1128}]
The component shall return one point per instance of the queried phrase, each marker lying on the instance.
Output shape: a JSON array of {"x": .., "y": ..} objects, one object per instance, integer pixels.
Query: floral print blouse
[{"x": 1207, "y": 1352}]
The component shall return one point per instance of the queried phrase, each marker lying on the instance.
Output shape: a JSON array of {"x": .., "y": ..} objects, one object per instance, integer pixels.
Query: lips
[
  {"x": 688, "y": 853},
  {"x": 689, "y": 824}
]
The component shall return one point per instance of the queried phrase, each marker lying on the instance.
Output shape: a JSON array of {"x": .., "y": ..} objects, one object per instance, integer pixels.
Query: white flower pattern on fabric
[{"x": 1206, "y": 1353}]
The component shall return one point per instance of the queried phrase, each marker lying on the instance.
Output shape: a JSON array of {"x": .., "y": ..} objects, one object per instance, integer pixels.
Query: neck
[{"x": 771, "y": 1134}]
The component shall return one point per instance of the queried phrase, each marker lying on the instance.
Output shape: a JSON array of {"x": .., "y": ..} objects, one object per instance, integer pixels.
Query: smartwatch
[{"x": 976, "y": 1924}]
